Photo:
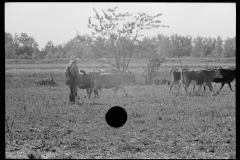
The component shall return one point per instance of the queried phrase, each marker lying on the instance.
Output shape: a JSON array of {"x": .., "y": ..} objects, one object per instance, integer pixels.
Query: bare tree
[{"x": 118, "y": 34}]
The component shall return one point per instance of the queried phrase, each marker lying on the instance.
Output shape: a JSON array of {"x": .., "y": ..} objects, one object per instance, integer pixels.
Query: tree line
[
  {"x": 25, "y": 47},
  {"x": 118, "y": 36}
]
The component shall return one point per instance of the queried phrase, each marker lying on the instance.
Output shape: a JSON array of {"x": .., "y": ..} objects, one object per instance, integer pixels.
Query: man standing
[{"x": 72, "y": 74}]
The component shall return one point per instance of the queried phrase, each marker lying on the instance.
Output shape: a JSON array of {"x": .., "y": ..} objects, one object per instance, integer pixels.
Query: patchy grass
[{"x": 39, "y": 122}]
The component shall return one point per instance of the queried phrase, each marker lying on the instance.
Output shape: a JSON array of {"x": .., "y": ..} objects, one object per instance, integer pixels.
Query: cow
[
  {"x": 86, "y": 82},
  {"x": 228, "y": 74},
  {"x": 198, "y": 77},
  {"x": 113, "y": 70},
  {"x": 82, "y": 82},
  {"x": 114, "y": 80},
  {"x": 175, "y": 76}
]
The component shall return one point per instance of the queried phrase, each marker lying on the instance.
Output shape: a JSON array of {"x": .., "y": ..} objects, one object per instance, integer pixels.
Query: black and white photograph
[{"x": 120, "y": 80}]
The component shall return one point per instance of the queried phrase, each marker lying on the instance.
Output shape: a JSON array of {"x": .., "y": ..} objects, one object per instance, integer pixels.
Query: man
[{"x": 73, "y": 74}]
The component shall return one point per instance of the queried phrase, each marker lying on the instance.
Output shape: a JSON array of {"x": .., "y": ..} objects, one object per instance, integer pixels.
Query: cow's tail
[
  {"x": 181, "y": 76},
  {"x": 171, "y": 73},
  {"x": 92, "y": 80}
]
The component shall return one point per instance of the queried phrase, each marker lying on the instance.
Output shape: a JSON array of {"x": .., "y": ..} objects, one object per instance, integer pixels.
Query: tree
[
  {"x": 165, "y": 47},
  {"x": 36, "y": 54},
  {"x": 147, "y": 47},
  {"x": 10, "y": 51},
  {"x": 9, "y": 46},
  {"x": 154, "y": 63},
  {"x": 181, "y": 46},
  {"x": 49, "y": 51},
  {"x": 198, "y": 49},
  {"x": 24, "y": 44},
  {"x": 218, "y": 48},
  {"x": 118, "y": 34},
  {"x": 8, "y": 38},
  {"x": 229, "y": 47},
  {"x": 209, "y": 45},
  {"x": 50, "y": 54}
]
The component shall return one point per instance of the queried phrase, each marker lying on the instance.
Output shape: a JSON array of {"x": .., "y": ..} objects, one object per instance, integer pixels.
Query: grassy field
[{"x": 40, "y": 123}]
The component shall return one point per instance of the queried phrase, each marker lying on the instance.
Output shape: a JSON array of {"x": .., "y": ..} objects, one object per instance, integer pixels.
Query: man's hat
[{"x": 73, "y": 58}]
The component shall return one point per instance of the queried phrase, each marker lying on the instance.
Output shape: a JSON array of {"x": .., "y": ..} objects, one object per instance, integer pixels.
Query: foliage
[
  {"x": 118, "y": 34},
  {"x": 10, "y": 52},
  {"x": 181, "y": 46},
  {"x": 165, "y": 47},
  {"x": 229, "y": 48},
  {"x": 24, "y": 45},
  {"x": 208, "y": 46},
  {"x": 218, "y": 48},
  {"x": 153, "y": 65},
  {"x": 120, "y": 42},
  {"x": 8, "y": 38}
]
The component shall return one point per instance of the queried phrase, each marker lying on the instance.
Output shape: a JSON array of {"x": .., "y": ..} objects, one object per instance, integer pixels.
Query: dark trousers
[{"x": 73, "y": 89}]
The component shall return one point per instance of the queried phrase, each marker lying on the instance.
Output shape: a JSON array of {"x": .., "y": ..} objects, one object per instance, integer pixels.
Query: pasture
[{"x": 39, "y": 122}]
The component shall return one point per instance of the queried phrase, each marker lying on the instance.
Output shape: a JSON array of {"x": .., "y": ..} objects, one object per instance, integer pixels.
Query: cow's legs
[
  {"x": 91, "y": 90},
  {"x": 178, "y": 86},
  {"x": 211, "y": 89},
  {"x": 185, "y": 87},
  {"x": 222, "y": 84},
  {"x": 96, "y": 94},
  {"x": 88, "y": 91},
  {"x": 115, "y": 89},
  {"x": 124, "y": 91},
  {"x": 199, "y": 89},
  {"x": 229, "y": 84},
  {"x": 95, "y": 90},
  {"x": 171, "y": 85},
  {"x": 193, "y": 88}
]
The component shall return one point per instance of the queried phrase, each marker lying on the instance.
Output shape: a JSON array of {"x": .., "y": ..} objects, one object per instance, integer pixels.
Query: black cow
[{"x": 228, "y": 76}]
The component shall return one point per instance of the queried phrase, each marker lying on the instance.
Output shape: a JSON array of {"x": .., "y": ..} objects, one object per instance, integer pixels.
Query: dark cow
[
  {"x": 200, "y": 77},
  {"x": 112, "y": 80},
  {"x": 228, "y": 74}
]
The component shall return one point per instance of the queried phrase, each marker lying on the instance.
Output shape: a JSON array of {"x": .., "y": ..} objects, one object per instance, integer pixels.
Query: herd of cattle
[
  {"x": 113, "y": 78},
  {"x": 202, "y": 77}
]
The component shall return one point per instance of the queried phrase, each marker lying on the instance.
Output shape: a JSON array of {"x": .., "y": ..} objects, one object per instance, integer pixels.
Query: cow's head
[{"x": 218, "y": 73}]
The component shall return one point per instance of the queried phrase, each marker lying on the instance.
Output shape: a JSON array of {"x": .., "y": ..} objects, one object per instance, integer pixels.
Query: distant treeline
[
  {"x": 134, "y": 60},
  {"x": 25, "y": 47}
]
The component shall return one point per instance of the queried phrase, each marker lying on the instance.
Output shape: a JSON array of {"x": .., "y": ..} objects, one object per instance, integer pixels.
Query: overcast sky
[{"x": 59, "y": 22}]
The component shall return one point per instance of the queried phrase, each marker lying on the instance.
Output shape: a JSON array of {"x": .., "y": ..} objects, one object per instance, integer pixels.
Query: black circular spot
[{"x": 116, "y": 117}]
